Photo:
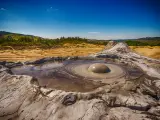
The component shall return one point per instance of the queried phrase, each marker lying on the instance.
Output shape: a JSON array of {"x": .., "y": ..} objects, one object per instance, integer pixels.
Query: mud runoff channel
[{"x": 74, "y": 75}]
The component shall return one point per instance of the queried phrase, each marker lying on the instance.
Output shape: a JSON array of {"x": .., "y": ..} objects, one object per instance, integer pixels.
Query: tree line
[{"x": 28, "y": 40}]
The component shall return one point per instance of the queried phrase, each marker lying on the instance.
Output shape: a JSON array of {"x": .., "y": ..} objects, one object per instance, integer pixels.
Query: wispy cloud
[
  {"x": 2, "y": 9},
  {"x": 93, "y": 32},
  {"x": 51, "y": 9}
]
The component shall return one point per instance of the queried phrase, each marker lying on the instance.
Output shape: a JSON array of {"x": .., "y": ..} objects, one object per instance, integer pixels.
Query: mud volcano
[
  {"x": 99, "y": 68},
  {"x": 74, "y": 75},
  {"x": 114, "y": 84}
]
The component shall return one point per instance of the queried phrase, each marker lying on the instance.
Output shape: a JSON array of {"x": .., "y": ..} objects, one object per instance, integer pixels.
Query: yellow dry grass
[
  {"x": 37, "y": 53},
  {"x": 153, "y": 52},
  {"x": 69, "y": 50}
]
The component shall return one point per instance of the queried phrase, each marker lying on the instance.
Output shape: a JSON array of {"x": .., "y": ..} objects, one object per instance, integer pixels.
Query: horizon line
[{"x": 78, "y": 36}]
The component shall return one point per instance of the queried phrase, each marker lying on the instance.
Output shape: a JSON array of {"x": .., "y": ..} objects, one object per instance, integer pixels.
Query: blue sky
[{"x": 96, "y": 19}]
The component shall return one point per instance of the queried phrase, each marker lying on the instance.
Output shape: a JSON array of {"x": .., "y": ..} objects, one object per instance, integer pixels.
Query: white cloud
[
  {"x": 93, "y": 32},
  {"x": 51, "y": 9},
  {"x": 2, "y": 9}
]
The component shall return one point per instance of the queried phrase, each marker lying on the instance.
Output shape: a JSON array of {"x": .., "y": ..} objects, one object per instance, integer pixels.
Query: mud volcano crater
[
  {"x": 115, "y": 83},
  {"x": 80, "y": 75}
]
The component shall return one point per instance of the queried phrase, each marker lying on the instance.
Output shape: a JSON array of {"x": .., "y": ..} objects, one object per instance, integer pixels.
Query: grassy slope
[{"x": 20, "y": 41}]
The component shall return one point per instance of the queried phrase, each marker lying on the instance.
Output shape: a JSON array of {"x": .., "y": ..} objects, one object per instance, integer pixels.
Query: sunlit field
[
  {"x": 33, "y": 54},
  {"x": 70, "y": 50},
  {"x": 149, "y": 51}
]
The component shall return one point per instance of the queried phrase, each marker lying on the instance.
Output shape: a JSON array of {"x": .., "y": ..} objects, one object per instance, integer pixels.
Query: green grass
[
  {"x": 143, "y": 42},
  {"x": 22, "y": 41},
  {"x": 18, "y": 40}
]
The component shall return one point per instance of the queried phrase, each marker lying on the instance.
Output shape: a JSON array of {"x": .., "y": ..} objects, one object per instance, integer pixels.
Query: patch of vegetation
[
  {"x": 20, "y": 41},
  {"x": 23, "y": 41},
  {"x": 143, "y": 42}
]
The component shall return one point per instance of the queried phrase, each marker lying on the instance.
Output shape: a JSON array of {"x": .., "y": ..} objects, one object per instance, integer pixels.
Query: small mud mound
[
  {"x": 110, "y": 45},
  {"x": 120, "y": 47}
]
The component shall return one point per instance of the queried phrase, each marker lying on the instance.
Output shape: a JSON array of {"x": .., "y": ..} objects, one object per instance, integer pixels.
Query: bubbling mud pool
[{"x": 76, "y": 75}]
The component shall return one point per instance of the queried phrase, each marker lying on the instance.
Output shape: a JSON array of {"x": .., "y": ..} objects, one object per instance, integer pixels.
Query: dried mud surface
[{"x": 135, "y": 97}]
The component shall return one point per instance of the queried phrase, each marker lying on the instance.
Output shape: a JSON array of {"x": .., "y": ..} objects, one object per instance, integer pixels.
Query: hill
[{"x": 19, "y": 41}]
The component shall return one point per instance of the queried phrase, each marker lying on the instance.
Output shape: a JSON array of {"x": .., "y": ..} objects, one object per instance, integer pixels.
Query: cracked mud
[{"x": 64, "y": 88}]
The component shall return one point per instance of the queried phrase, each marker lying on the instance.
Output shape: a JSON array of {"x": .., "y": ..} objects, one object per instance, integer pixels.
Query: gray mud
[
  {"x": 59, "y": 75},
  {"x": 54, "y": 89}
]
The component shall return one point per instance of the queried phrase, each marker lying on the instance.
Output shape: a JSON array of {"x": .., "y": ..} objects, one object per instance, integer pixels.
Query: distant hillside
[
  {"x": 2, "y": 33},
  {"x": 20, "y": 41},
  {"x": 150, "y": 38}
]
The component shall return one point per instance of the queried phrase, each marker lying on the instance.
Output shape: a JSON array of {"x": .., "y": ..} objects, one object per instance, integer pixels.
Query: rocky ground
[{"x": 21, "y": 97}]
